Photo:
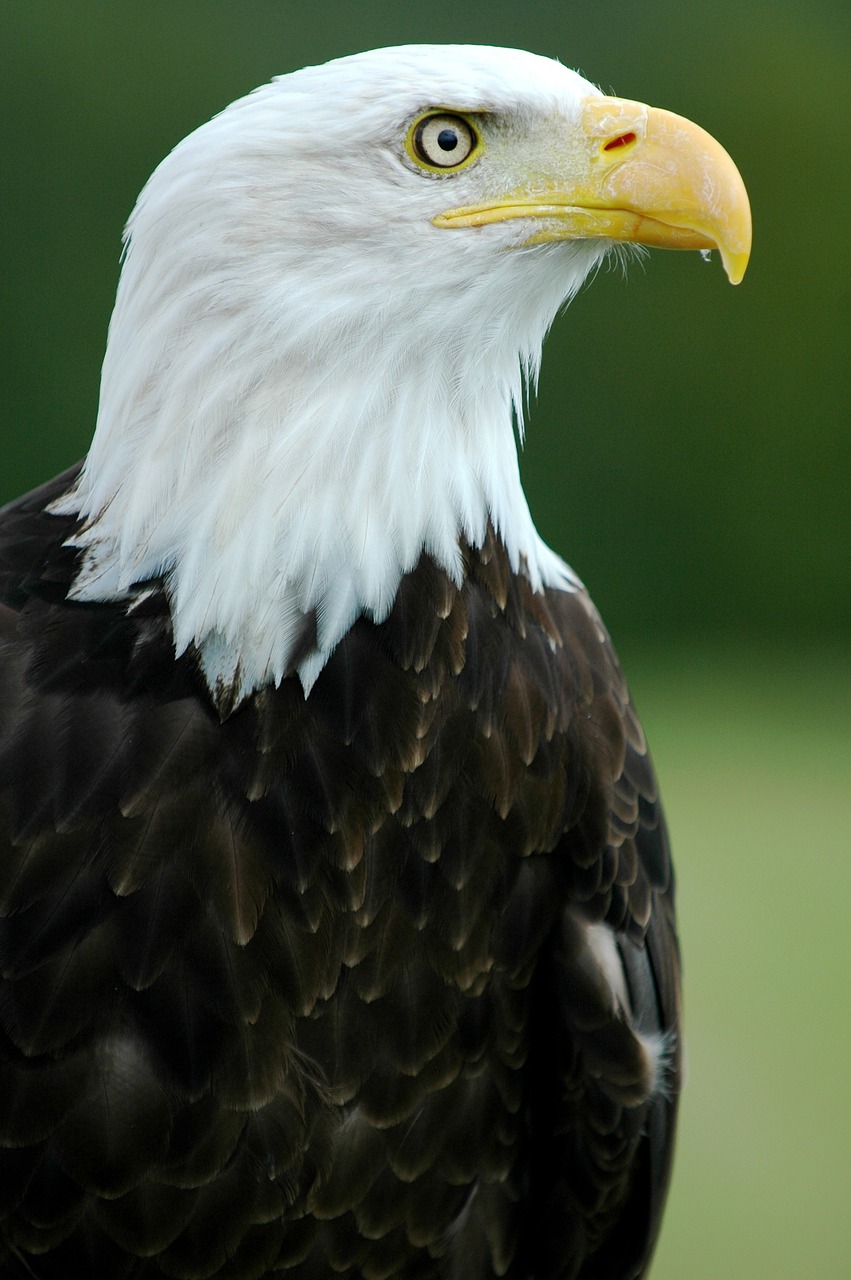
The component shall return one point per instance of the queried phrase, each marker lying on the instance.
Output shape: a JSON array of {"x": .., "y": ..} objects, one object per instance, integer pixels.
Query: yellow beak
[{"x": 631, "y": 173}]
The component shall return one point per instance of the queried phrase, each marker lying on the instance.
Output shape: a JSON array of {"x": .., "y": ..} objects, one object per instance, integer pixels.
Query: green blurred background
[{"x": 688, "y": 453}]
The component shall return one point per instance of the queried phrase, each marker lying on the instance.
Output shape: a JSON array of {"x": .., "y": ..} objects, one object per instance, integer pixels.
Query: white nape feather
[{"x": 307, "y": 384}]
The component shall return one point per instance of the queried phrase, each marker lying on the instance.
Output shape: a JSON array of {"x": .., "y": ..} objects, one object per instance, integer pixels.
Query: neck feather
[{"x": 282, "y": 478}]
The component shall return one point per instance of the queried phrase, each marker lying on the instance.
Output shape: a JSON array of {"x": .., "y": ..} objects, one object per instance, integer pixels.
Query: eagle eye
[{"x": 441, "y": 140}]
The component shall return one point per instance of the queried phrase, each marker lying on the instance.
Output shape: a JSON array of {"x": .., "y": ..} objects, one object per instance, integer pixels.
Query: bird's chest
[
  {"x": 410, "y": 890},
  {"x": 404, "y": 950}
]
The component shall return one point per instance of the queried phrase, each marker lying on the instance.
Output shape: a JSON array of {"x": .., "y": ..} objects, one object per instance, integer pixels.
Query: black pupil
[{"x": 447, "y": 139}]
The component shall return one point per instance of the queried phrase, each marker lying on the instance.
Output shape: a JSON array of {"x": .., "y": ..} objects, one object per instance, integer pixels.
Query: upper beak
[{"x": 631, "y": 173}]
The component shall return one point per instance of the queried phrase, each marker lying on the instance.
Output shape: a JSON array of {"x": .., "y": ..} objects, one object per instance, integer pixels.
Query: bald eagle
[{"x": 336, "y": 906}]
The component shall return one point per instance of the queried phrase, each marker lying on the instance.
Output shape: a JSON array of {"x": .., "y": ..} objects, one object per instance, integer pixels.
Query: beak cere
[{"x": 631, "y": 173}]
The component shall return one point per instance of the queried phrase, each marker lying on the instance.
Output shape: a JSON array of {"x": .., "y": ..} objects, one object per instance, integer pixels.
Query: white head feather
[{"x": 307, "y": 384}]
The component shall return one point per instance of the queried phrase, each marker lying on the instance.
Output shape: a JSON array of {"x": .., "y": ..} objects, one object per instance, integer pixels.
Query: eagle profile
[{"x": 337, "y": 932}]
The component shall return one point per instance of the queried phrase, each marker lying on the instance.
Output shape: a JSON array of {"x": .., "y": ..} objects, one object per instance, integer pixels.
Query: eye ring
[{"x": 443, "y": 141}]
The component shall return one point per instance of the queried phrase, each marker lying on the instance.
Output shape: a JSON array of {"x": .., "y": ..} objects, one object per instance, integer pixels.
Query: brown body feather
[{"x": 306, "y": 989}]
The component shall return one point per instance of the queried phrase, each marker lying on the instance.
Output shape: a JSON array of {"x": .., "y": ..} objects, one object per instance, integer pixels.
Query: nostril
[{"x": 622, "y": 140}]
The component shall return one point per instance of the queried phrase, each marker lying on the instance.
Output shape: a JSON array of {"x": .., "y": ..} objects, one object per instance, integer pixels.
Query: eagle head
[{"x": 331, "y": 297}]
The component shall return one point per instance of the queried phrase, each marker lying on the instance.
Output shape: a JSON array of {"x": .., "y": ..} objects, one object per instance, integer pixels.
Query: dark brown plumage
[{"x": 307, "y": 989}]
